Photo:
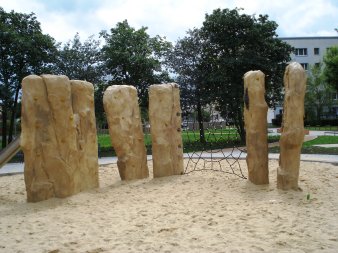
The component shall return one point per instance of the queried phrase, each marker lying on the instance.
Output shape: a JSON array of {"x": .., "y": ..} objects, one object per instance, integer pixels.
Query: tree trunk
[
  {"x": 13, "y": 114},
  {"x": 239, "y": 123},
  {"x": 4, "y": 127},
  {"x": 318, "y": 114},
  {"x": 200, "y": 122}
]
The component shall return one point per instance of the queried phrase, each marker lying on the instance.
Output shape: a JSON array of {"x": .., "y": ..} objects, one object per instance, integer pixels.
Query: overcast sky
[{"x": 172, "y": 18}]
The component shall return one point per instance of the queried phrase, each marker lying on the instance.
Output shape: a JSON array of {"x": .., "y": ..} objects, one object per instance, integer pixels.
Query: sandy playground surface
[{"x": 198, "y": 212}]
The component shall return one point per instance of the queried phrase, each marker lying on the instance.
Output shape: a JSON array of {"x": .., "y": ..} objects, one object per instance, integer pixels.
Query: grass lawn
[
  {"x": 217, "y": 139},
  {"x": 309, "y": 148},
  {"x": 105, "y": 142}
]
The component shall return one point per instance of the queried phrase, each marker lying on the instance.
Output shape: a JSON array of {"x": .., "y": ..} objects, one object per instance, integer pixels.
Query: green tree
[
  {"x": 24, "y": 50},
  {"x": 100, "y": 114},
  {"x": 133, "y": 57},
  {"x": 186, "y": 61},
  {"x": 235, "y": 44},
  {"x": 83, "y": 61},
  {"x": 318, "y": 93},
  {"x": 331, "y": 67}
]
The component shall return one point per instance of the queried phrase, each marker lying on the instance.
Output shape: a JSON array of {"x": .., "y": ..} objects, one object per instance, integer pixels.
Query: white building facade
[{"x": 309, "y": 51}]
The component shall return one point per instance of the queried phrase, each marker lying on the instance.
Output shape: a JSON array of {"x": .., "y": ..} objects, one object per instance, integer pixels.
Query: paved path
[
  {"x": 17, "y": 168},
  {"x": 327, "y": 145},
  {"x": 273, "y": 131}
]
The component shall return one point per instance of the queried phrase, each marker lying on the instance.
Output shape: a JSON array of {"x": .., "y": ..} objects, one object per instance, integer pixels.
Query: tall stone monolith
[
  {"x": 125, "y": 129},
  {"x": 58, "y": 137},
  {"x": 255, "y": 117},
  {"x": 165, "y": 127},
  {"x": 84, "y": 116},
  {"x": 292, "y": 135}
]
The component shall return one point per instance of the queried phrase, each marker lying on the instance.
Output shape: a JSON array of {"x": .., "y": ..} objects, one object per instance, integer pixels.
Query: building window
[
  {"x": 301, "y": 51},
  {"x": 316, "y": 51},
  {"x": 317, "y": 64},
  {"x": 305, "y": 66}
]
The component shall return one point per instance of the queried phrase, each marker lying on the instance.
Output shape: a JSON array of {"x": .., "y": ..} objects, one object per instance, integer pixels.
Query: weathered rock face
[
  {"x": 125, "y": 129},
  {"x": 255, "y": 117},
  {"x": 165, "y": 128},
  {"x": 58, "y": 137},
  {"x": 84, "y": 116},
  {"x": 292, "y": 135}
]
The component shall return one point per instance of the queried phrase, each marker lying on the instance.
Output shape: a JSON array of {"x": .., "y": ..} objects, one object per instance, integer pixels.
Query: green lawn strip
[
  {"x": 273, "y": 138},
  {"x": 209, "y": 137},
  {"x": 322, "y": 140},
  {"x": 211, "y": 130},
  {"x": 191, "y": 142},
  {"x": 104, "y": 140},
  {"x": 309, "y": 148}
]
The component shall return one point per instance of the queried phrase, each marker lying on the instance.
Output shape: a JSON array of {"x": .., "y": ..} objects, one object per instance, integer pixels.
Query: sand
[{"x": 204, "y": 211}]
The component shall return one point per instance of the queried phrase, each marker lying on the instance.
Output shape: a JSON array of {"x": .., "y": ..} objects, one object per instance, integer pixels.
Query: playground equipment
[
  {"x": 292, "y": 135},
  {"x": 11, "y": 150},
  {"x": 165, "y": 121},
  {"x": 255, "y": 115},
  {"x": 58, "y": 136},
  {"x": 125, "y": 129}
]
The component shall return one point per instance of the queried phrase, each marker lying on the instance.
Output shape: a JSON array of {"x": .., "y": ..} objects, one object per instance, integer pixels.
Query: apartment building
[{"x": 309, "y": 51}]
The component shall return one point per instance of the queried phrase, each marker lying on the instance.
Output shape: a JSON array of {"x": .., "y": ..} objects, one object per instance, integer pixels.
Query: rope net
[{"x": 210, "y": 142}]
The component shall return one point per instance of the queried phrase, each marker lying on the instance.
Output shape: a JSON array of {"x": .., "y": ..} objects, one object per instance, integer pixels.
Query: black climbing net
[{"x": 210, "y": 142}]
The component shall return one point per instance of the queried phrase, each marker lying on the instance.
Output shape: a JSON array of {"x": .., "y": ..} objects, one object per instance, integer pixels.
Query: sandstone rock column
[
  {"x": 84, "y": 116},
  {"x": 292, "y": 135},
  {"x": 255, "y": 117},
  {"x": 125, "y": 129},
  {"x": 165, "y": 128},
  {"x": 50, "y": 138}
]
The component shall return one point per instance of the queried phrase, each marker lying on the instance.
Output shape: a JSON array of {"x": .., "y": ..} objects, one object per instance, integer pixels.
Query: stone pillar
[
  {"x": 125, "y": 129},
  {"x": 54, "y": 139},
  {"x": 165, "y": 128},
  {"x": 84, "y": 116},
  {"x": 255, "y": 117},
  {"x": 292, "y": 135}
]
